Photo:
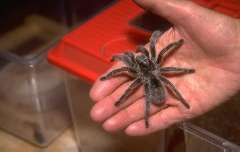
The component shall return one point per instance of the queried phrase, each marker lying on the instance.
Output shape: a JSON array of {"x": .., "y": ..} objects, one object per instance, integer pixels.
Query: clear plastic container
[
  {"x": 33, "y": 102},
  {"x": 201, "y": 140},
  {"x": 217, "y": 130},
  {"x": 91, "y": 137},
  {"x": 79, "y": 11},
  {"x": 34, "y": 33},
  {"x": 14, "y": 14}
]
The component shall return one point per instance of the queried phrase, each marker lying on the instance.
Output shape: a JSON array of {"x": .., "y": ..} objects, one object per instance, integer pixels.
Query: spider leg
[
  {"x": 146, "y": 113},
  {"x": 143, "y": 50},
  {"x": 122, "y": 57},
  {"x": 127, "y": 58},
  {"x": 131, "y": 58},
  {"x": 130, "y": 55},
  {"x": 117, "y": 72},
  {"x": 153, "y": 40},
  {"x": 169, "y": 48},
  {"x": 133, "y": 86},
  {"x": 176, "y": 70},
  {"x": 175, "y": 91}
]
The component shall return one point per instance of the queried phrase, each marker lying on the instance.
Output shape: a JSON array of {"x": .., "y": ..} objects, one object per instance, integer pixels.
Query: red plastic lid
[{"x": 87, "y": 50}]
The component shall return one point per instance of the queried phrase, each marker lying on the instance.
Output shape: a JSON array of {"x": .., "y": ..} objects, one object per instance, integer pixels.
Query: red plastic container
[
  {"x": 110, "y": 32},
  {"x": 86, "y": 52}
]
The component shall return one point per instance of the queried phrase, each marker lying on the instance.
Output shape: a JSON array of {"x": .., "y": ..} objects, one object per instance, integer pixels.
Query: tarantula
[{"x": 145, "y": 69}]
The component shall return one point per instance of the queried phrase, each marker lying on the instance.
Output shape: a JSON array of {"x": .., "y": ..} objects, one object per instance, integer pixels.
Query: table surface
[{"x": 65, "y": 143}]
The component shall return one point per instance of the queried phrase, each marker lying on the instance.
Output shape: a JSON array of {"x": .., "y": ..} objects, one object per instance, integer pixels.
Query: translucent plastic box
[
  {"x": 217, "y": 130},
  {"x": 80, "y": 11},
  {"x": 33, "y": 102},
  {"x": 202, "y": 140},
  {"x": 90, "y": 135}
]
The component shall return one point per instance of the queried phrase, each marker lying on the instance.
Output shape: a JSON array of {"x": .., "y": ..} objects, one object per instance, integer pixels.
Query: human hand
[{"x": 212, "y": 47}]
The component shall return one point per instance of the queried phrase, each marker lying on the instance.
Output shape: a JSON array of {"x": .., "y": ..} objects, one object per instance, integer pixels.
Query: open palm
[{"x": 211, "y": 47}]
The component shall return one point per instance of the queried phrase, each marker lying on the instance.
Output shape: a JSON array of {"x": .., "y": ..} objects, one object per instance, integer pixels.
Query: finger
[
  {"x": 129, "y": 115},
  {"x": 158, "y": 121},
  {"x": 101, "y": 89},
  {"x": 106, "y": 107},
  {"x": 190, "y": 15}
]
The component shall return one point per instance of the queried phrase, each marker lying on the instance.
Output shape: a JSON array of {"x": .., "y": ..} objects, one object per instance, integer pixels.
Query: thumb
[
  {"x": 183, "y": 13},
  {"x": 176, "y": 11},
  {"x": 206, "y": 27}
]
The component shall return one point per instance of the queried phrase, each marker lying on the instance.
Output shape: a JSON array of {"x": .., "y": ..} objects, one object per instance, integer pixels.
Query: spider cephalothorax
[{"x": 145, "y": 69}]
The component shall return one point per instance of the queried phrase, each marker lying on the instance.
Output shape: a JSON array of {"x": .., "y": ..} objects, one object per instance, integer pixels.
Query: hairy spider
[{"x": 145, "y": 69}]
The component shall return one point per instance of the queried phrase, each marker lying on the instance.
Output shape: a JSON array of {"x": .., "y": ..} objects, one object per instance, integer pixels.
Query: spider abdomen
[{"x": 154, "y": 91}]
